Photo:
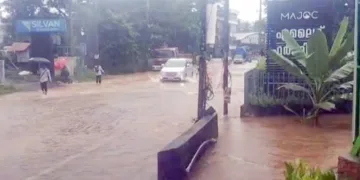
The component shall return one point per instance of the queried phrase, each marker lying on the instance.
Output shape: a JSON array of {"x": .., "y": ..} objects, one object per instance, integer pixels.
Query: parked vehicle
[
  {"x": 177, "y": 69},
  {"x": 161, "y": 56}
]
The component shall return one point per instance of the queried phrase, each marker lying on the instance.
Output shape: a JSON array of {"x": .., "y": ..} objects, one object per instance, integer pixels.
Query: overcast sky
[{"x": 249, "y": 9}]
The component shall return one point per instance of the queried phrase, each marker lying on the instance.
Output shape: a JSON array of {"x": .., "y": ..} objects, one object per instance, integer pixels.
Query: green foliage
[
  {"x": 355, "y": 151},
  {"x": 127, "y": 36},
  {"x": 5, "y": 89},
  {"x": 261, "y": 64},
  {"x": 301, "y": 171},
  {"x": 262, "y": 99},
  {"x": 259, "y": 25},
  {"x": 128, "y": 30},
  {"x": 324, "y": 70}
]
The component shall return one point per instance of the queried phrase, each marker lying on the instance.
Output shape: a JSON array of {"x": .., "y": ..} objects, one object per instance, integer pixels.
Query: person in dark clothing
[{"x": 65, "y": 75}]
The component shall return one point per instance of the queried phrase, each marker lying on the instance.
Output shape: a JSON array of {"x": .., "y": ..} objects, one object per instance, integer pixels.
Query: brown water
[
  {"x": 114, "y": 131},
  {"x": 256, "y": 148}
]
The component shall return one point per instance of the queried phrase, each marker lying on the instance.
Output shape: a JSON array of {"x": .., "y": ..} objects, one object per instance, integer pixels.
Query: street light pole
[
  {"x": 260, "y": 17},
  {"x": 202, "y": 62},
  {"x": 226, "y": 57}
]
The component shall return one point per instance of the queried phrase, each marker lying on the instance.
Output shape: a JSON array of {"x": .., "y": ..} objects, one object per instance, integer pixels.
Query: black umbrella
[{"x": 39, "y": 60}]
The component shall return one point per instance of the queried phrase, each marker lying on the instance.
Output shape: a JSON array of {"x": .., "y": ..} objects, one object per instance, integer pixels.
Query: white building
[{"x": 215, "y": 28}]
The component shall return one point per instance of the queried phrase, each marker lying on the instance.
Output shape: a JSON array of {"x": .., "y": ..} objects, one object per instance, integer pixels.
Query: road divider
[{"x": 176, "y": 160}]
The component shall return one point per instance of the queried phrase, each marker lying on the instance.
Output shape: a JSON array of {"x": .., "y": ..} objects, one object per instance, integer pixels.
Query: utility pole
[
  {"x": 70, "y": 29},
  {"x": 260, "y": 10},
  {"x": 260, "y": 18},
  {"x": 202, "y": 62},
  {"x": 148, "y": 34},
  {"x": 96, "y": 30},
  {"x": 226, "y": 57}
]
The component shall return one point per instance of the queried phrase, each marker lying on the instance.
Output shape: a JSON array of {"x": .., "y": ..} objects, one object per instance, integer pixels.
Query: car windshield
[
  {"x": 175, "y": 63},
  {"x": 162, "y": 54},
  {"x": 238, "y": 57}
]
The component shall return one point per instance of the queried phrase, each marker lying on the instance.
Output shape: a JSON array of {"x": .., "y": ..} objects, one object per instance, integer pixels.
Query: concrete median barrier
[{"x": 177, "y": 158}]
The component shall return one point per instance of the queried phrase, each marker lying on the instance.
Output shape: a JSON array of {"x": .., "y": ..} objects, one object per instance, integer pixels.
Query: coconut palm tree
[{"x": 324, "y": 71}]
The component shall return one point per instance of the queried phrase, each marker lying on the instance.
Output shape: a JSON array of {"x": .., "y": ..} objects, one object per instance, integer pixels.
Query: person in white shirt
[
  {"x": 45, "y": 77},
  {"x": 99, "y": 72}
]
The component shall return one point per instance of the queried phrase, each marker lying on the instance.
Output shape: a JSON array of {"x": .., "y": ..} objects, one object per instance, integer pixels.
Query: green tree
[
  {"x": 259, "y": 25},
  {"x": 127, "y": 35},
  {"x": 244, "y": 26},
  {"x": 324, "y": 71}
]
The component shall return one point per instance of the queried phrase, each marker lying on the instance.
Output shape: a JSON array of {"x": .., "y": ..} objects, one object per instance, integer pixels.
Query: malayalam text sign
[
  {"x": 301, "y": 18},
  {"x": 40, "y": 25}
]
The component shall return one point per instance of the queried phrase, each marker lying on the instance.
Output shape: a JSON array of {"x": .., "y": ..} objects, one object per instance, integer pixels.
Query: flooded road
[
  {"x": 256, "y": 148},
  {"x": 113, "y": 131},
  {"x": 85, "y": 131}
]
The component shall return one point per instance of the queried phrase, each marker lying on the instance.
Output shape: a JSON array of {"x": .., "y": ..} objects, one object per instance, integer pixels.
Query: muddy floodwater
[
  {"x": 114, "y": 131},
  {"x": 256, "y": 148}
]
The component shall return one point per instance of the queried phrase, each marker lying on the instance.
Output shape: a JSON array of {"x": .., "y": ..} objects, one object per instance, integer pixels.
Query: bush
[
  {"x": 4, "y": 89},
  {"x": 301, "y": 171},
  {"x": 84, "y": 74},
  {"x": 261, "y": 64}
]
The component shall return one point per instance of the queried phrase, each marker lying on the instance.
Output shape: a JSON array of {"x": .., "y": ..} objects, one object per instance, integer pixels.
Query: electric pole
[
  {"x": 260, "y": 18},
  {"x": 148, "y": 33},
  {"x": 260, "y": 10},
  {"x": 226, "y": 57},
  {"x": 202, "y": 62},
  {"x": 96, "y": 30}
]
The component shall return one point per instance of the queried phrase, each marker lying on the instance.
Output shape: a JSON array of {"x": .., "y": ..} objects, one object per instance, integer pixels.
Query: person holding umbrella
[
  {"x": 45, "y": 77},
  {"x": 45, "y": 74}
]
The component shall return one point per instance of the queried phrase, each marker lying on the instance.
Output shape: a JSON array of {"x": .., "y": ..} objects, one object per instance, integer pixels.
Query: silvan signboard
[
  {"x": 40, "y": 26},
  {"x": 301, "y": 18}
]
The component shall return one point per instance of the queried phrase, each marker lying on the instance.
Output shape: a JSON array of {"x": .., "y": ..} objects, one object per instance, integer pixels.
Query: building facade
[{"x": 215, "y": 29}]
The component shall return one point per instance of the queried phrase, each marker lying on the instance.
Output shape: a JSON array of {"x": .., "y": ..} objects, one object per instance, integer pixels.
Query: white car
[
  {"x": 177, "y": 69},
  {"x": 238, "y": 59}
]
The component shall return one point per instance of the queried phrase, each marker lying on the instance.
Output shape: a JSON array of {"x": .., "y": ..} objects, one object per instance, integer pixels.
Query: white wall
[{"x": 212, "y": 19}]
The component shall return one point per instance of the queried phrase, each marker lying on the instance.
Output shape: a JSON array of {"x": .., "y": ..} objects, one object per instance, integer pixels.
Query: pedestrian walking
[
  {"x": 99, "y": 72},
  {"x": 45, "y": 77}
]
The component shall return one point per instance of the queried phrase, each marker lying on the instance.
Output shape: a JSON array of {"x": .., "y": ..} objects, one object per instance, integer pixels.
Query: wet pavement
[{"x": 113, "y": 131}]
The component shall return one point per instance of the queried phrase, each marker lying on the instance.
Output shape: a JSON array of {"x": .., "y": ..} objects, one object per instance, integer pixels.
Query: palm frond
[
  {"x": 287, "y": 64},
  {"x": 342, "y": 73},
  {"x": 318, "y": 64},
  {"x": 340, "y": 36}
]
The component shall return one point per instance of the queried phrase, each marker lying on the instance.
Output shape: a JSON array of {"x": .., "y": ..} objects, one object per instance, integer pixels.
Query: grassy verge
[
  {"x": 85, "y": 75},
  {"x": 5, "y": 89},
  {"x": 261, "y": 64}
]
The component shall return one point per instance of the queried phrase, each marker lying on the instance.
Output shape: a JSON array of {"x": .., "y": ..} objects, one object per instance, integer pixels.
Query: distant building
[
  {"x": 21, "y": 50},
  {"x": 215, "y": 28}
]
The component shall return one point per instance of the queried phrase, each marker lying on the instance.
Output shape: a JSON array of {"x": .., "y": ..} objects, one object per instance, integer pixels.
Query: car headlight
[{"x": 180, "y": 73}]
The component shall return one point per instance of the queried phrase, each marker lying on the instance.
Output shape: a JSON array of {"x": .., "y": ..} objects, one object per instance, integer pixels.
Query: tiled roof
[{"x": 19, "y": 46}]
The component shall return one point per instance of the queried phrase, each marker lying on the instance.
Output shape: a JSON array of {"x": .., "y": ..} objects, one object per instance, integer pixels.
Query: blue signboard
[
  {"x": 301, "y": 18},
  {"x": 40, "y": 26}
]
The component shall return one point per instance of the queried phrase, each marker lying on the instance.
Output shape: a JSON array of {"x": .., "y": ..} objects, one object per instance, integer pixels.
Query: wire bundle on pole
[{"x": 209, "y": 89}]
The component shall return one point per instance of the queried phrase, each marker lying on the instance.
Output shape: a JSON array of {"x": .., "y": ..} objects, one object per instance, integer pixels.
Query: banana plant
[{"x": 325, "y": 71}]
